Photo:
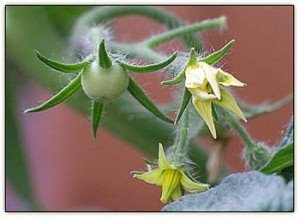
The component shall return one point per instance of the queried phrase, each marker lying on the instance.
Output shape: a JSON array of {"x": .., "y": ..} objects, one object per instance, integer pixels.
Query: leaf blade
[
  {"x": 62, "y": 95},
  {"x": 281, "y": 159},
  {"x": 141, "y": 97}
]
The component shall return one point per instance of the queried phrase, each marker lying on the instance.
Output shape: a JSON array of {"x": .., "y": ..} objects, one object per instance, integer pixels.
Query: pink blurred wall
[{"x": 72, "y": 172}]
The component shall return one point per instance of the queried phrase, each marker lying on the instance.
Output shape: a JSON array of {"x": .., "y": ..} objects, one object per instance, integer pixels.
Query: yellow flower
[
  {"x": 205, "y": 84},
  {"x": 173, "y": 179}
]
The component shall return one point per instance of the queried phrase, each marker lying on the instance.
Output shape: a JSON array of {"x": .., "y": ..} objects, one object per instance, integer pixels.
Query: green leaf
[
  {"x": 96, "y": 113},
  {"x": 139, "y": 94},
  {"x": 150, "y": 67},
  {"x": 218, "y": 55},
  {"x": 249, "y": 191},
  {"x": 185, "y": 100},
  {"x": 281, "y": 159},
  {"x": 66, "y": 68},
  {"x": 288, "y": 173},
  {"x": 104, "y": 59},
  {"x": 65, "y": 93}
]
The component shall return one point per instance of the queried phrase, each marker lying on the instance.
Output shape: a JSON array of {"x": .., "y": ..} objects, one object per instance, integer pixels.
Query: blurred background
[{"x": 51, "y": 158}]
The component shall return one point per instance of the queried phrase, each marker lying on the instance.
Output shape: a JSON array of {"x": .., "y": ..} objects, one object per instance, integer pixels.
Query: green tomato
[{"x": 103, "y": 84}]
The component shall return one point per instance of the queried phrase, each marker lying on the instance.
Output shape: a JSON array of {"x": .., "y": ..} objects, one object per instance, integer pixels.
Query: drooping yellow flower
[
  {"x": 173, "y": 179},
  {"x": 205, "y": 84}
]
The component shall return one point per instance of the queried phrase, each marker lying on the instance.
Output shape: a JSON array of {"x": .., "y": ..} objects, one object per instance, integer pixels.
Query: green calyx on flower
[
  {"x": 173, "y": 179},
  {"x": 205, "y": 85},
  {"x": 102, "y": 80}
]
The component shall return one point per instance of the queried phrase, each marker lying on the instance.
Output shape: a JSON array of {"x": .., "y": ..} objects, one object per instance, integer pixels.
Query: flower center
[{"x": 205, "y": 87}]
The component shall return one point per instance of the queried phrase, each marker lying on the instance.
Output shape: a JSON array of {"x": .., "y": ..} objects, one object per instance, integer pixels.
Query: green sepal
[
  {"x": 280, "y": 160},
  {"x": 149, "y": 68},
  {"x": 218, "y": 55},
  {"x": 151, "y": 163},
  {"x": 96, "y": 113},
  {"x": 104, "y": 59},
  {"x": 193, "y": 57},
  {"x": 62, "y": 95},
  {"x": 185, "y": 100},
  {"x": 175, "y": 80},
  {"x": 141, "y": 97},
  {"x": 181, "y": 76},
  {"x": 65, "y": 68},
  {"x": 214, "y": 112}
]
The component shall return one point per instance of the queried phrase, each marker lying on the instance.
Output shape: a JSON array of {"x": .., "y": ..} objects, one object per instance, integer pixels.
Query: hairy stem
[
  {"x": 181, "y": 140},
  {"x": 106, "y": 13},
  {"x": 181, "y": 31},
  {"x": 239, "y": 129}
]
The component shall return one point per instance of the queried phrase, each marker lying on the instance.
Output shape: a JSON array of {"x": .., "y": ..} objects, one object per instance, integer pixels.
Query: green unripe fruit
[{"x": 104, "y": 84}]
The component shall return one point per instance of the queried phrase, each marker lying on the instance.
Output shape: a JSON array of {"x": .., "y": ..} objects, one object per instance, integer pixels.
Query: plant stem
[
  {"x": 106, "y": 13},
  {"x": 181, "y": 31},
  {"x": 239, "y": 129},
  {"x": 181, "y": 140}
]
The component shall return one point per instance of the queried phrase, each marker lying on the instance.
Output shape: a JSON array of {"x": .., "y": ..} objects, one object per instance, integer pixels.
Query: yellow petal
[
  {"x": 197, "y": 92},
  {"x": 191, "y": 186},
  {"x": 194, "y": 76},
  {"x": 204, "y": 109},
  {"x": 152, "y": 177},
  {"x": 211, "y": 76},
  {"x": 163, "y": 162},
  {"x": 227, "y": 79},
  {"x": 228, "y": 102},
  {"x": 177, "y": 193},
  {"x": 171, "y": 180}
]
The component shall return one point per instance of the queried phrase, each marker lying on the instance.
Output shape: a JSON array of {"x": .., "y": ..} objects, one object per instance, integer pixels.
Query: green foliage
[{"x": 281, "y": 159}]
